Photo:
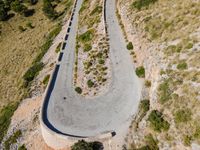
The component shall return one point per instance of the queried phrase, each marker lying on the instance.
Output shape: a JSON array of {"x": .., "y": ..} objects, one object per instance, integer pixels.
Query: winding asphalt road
[{"x": 65, "y": 112}]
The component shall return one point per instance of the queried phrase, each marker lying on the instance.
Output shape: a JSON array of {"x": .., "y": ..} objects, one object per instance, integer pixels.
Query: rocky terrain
[{"x": 166, "y": 40}]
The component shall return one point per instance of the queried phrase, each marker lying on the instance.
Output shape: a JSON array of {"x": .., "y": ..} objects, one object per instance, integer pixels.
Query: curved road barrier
[{"x": 67, "y": 117}]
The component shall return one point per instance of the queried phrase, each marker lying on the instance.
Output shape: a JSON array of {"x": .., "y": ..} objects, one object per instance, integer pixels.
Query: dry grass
[{"x": 18, "y": 50}]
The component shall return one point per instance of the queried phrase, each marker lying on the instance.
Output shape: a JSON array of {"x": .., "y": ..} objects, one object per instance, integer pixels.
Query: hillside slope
[{"x": 166, "y": 39}]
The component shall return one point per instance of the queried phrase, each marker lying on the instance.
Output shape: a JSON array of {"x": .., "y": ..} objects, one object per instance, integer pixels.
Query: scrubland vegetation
[
  {"x": 173, "y": 26},
  {"x": 92, "y": 49}
]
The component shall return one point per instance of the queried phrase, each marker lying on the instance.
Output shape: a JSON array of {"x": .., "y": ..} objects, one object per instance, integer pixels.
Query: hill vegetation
[{"x": 27, "y": 29}]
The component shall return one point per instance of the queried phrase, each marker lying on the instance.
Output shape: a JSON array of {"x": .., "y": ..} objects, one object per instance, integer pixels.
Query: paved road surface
[{"x": 78, "y": 116}]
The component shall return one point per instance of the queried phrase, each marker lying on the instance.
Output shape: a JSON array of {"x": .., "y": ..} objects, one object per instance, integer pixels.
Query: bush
[
  {"x": 157, "y": 122},
  {"x": 182, "y": 66},
  {"x": 139, "y": 4},
  {"x": 145, "y": 105},
  {"x": 87, "y": 36},
  {"x": 164, "y": 92},
  {"x": 140, "y": 72},
  {"x": 129, "y": 46},
  {"x": 90, "y": 83},
  {"x": 46, "y": 79},
  {"x": 32, "y": 72},
  {"x": 183, "y": 115},
  {"x": 5, "y": 118},
  {"x": 83, "y": 145},
  {"x": 78, "y": 90},
  {"x": 101, "y": 61},
  {"x": 87, "y": 47}
]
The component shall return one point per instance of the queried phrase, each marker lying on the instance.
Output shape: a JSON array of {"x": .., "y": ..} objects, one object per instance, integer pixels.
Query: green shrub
[
  {"x": 87, "y": 47},
  {"x": 87, "y": 36},
  {"x": 12, "y": 139},
  {"x": 129, "y": 46},
  {"x": 32, "y": 72},
  {"x": 78, "y": 90},
  {"x": 46, "y": 79},
  {"x": 183, "y": 115},
  {"x": 140, "y": 72},
  {"x": 5, "y": 118},
  {"x": 145, "y": 105},
  {"x": 90, "y": 83},
  {"x": 157, "y": 122},
  {"x": 101, "y": 61},
  {"x": 182, "y": 66},
  {"x": 164, "y": 92},
  {"x": 139, "y": 4},
  {"x": 189, "y": 46},
  {"x": 83, "y": 145}
]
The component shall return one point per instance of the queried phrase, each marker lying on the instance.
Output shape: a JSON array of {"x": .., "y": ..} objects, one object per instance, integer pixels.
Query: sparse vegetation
[
  {"x": 182, "y": 66},
  {"x": 32, "y": 72},
  {"x": 183, "y": 115},
  {"x": 5, "y": 118},
  {"x": 164, "y": 92},
  {"x": 147, "y": 83},
  {"x": 22, "y": 147},
  {"x": 58, "y": 47},
  {"x": 12, "y": 139},
  {"x": 46, "y": 79},
  {"x": 139, "y": 4},
  {"x": 157, "y": 121},
  {"x": 140, "y": 72}
]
